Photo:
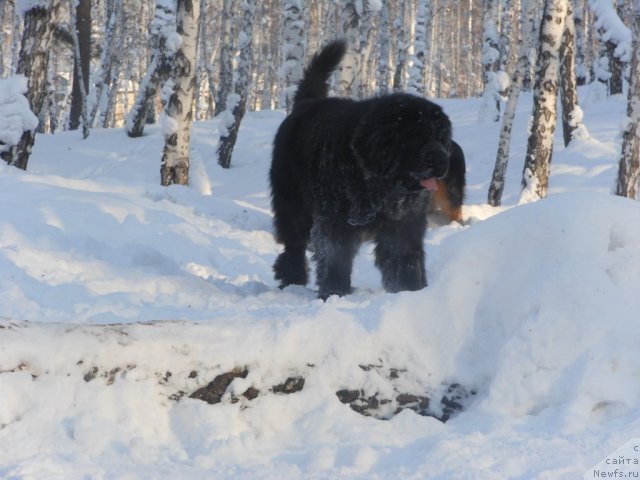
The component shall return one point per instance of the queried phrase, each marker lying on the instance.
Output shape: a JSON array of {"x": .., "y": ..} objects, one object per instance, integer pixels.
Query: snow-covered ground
[{"x": 120, "y": 298}]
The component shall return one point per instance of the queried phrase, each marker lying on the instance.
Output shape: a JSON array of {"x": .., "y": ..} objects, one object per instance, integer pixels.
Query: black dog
[
  {"x": 344, "y": 172},
  {"x": 449, "y": 196}
]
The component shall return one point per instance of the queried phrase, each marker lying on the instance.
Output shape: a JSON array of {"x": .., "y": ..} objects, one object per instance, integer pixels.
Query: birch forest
[{"x": 117, "y": 63}]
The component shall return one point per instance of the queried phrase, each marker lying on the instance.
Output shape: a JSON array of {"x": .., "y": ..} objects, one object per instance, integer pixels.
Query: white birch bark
[
  {"x": 114, "y": 22},
  {"x": 32, "y": 63},
  {"x": 384, "y": 64},
  {"x": 349, "y": 71},
  {"x": 416, "y": 64},
  {"x": 402, "y": 41},
  {"x": 579, "y": 12},
  {"x": 178, "y": 112},
  {"x": 236, "y": 103},
  {"x": 490, "y": 58},
  {"x": 572, "y": 125},
  {"x": 369, "y": 30},
  {"x": 293, "y": 28},
  {"x": 628, "y": 184},
  {"x": 535, "y": 176},
  {"x": 225, "y": 80},
  {"x": 494, "y": 197},
  {"x": 164, "y": 43}
]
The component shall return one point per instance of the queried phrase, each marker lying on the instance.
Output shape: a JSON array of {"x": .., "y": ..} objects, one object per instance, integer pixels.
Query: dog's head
[{"x": 404, "y": 139}]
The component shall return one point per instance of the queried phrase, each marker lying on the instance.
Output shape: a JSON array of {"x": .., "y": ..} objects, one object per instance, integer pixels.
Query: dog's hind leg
[
  {"x": 292, "y": 230},
  {"x": 400, "y": 255},
  {"x": 292, "y": 224},
  {"x": 334, "y": 251}
]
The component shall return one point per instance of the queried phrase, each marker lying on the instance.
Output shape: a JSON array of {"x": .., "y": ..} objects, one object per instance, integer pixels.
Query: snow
[
  {"x": 613, "y": 28},
  {"x": 23, "y": 6},
  {"x": 15, "y": 114},
  {"x": 120, "y": 298}
]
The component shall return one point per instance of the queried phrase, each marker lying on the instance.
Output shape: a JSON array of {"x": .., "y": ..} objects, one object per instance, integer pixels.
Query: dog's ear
[{"x": 375, "y": 144}]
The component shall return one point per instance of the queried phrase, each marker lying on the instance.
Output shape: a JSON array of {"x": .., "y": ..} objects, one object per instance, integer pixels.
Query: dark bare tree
[{"x": 81, "y": 33}]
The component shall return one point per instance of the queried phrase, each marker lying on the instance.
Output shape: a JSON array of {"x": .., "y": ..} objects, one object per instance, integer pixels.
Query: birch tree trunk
[
  {"x": 490, "y": 60},
  {"x": 178, "y": 112},
  {"x": 210, "y": 45},
  {"x": 159, "y": 69},
  {"x": 416, "y": 68},
  {"x": 114, "y": 21},
  {"x": 80, "y": 29},
  {"x": 494, "y": 197},
  {"x": 535, "y": 176},
  {"x": 579, "y": 22},
  {"x": 385, "y": 51},
  {"x": 571, "y": 112},
  {"x": 32, "y": 63},
  {"x": 628, "y": 183},
  {"x": 225, "y": 82},
  {"x": 402, "y": 40},
  {"x": 293, "y": 47},
  {"x": 615, "y": 41},
  {"x": 107, "y": 114},
  {"x": 369, "y": 29},
  {"x": 2, "y": 35},
  {"x": 468, "y": 50},
  {"x": 349, "y": 71},
  {"x": 236, "y": 103}
]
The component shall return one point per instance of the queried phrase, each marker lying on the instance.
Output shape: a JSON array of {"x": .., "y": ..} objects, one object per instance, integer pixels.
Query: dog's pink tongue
[{"x": 429, "y": 184}]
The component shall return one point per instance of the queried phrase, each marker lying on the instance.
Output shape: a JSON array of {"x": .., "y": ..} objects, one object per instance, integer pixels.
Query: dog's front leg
[
  {"x": 334, "y": 251},
  {"x": 400, "y": 255}
]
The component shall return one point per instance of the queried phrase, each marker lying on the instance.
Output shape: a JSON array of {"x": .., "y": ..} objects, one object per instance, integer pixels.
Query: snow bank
[{"x": 121, "y": 298}]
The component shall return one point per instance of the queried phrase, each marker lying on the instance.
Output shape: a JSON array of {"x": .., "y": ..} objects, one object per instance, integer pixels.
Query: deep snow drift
[{"x": 120, "y": 298}]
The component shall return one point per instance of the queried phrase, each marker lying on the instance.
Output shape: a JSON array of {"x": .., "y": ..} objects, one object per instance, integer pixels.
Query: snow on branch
[
  {"x": 15, "y": 114},
  {"x": 23, "y": 6},
  {"x": 613, "y": 28}
]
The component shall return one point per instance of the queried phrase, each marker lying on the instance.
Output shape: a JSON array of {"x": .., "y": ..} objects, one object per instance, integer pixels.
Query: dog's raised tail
[{"x": 316, "y": 75}]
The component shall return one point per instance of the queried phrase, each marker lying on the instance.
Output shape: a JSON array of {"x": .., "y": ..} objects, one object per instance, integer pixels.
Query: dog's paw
[{"x": 325, "y": 293}]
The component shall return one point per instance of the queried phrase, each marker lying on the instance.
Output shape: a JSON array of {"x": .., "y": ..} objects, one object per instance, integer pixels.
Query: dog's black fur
[{"x": 347, "y": 171}]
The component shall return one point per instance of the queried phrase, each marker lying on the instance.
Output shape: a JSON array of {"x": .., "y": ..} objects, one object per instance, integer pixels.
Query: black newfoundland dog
[
  {"x": 344, "y": 172},
  {"x": 449, "y": 195}
]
